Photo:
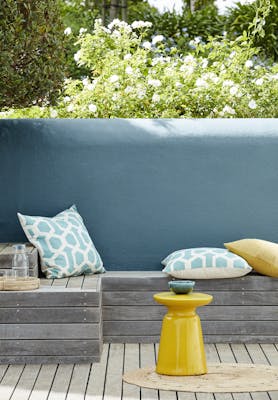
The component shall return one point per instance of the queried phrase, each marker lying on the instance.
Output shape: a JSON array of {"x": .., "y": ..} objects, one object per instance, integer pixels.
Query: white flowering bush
[{"x": 132, "y": 77}]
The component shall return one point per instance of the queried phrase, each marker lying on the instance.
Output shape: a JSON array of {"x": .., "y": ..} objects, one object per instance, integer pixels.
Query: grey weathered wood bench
[
  {"x": 67, "y": 320},
  {"x": 60, "y": 322},
  {"x": 244, "y": 310}
]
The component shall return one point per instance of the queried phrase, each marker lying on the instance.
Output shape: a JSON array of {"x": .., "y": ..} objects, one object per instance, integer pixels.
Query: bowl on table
[{"x": 181, "y": 287}]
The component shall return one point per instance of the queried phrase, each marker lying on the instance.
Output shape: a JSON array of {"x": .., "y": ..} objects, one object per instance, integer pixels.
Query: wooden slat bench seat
[
  {"x": 66, "y": 320},
  {"x": 244, "y": 310},
  {"x": 58, "y": 323}
]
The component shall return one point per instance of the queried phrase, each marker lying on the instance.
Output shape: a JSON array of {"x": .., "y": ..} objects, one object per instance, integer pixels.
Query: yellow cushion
[{"x": 260, "y": 254}]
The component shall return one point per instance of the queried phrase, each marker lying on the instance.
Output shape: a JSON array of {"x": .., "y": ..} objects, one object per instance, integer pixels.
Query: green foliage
[
  {"x": 204, "y": 23},
  {"x": 242, "y": 17},
  {"x": 129, "y": 77},
  {"x": 31, "y": 52}
]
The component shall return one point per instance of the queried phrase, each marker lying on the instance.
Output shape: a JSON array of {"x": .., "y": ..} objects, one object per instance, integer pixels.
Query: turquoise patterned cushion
[
  {"x": 64, "y": 244},
  {"x": 205, "y": 263}
]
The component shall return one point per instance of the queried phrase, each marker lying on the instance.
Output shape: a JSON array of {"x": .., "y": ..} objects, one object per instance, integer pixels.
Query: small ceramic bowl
[{"x": 181, "y": 287}]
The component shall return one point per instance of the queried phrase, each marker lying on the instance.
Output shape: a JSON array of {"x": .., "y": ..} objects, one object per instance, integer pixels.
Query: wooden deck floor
[{"x": 103, "y": 381}]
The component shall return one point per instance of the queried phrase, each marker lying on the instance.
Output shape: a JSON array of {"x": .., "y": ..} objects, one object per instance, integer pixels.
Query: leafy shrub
[
  {"x": 130, "y": 77},
  {"x": 241, "y": 16},
  {"x": 31, "y": 55},
  {"x": 204, "y": 22}
]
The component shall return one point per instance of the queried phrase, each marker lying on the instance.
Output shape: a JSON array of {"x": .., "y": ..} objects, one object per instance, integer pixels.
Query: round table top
[{"x": 191, "y": 299}]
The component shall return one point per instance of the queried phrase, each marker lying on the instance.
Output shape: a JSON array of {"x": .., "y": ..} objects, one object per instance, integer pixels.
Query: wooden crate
[{"x": 7, "y": 252}]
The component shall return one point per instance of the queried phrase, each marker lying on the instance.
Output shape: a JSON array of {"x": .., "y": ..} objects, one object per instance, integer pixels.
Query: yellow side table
[{"x": 181, "y": 349}]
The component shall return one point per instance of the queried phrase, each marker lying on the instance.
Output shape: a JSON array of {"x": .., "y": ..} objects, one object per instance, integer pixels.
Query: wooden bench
[
  {"x": 67, "y": 320},
  {"x": 244, "y": 310},
  {"x": 58, "y": 323}
]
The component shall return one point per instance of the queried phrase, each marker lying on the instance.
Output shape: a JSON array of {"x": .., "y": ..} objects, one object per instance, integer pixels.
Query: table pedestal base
[{"x": 181, "y": 350}]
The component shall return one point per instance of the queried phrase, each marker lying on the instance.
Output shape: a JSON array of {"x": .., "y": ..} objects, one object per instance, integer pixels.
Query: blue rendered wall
[{"x": 143, "y": 187}]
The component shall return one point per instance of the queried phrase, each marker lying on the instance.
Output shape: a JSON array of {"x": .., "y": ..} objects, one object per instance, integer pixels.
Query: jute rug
[{"x": 220, "y": 378}]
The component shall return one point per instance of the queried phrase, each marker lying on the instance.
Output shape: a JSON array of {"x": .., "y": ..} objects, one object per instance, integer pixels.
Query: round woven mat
[{"x": 220, "y": 378}]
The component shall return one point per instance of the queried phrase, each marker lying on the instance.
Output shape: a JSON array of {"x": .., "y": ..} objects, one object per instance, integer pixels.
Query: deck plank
[
  {"x": 26, "y": 382},
  {"x": 164, "y": 394},
  {"x": 97, "y": 377},
  {"x": 43, "y": 383},
  {"x": 46, "y": 282},
  {"x": 242, "y": 356},
  {"x": 75, "y": 282},
  {"x": 226, "y": 355},
  {"x": 9, "y": 381},
  {"x": 131, "y": 362},
  {"x": 3, "y": 369},
  {"x": 212, "y": 357},
  {"x": 91, "y": 282},
  {"x": 113, "y": 383},
  {"x": 271, "y": 354},
  {"x": 62, "y": 282},
  {"x": 147, "y": 359},
  {"x": 96, "y": 382},
  {"x": 61, "y": 382},
  {"x": 103, "y": 381},
  {"x": 79, "y": 381}
]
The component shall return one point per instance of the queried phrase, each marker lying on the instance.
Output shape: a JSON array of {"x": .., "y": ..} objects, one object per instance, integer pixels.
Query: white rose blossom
[
  {"x": 178, "y": 84},
  {"x": 114, "y": 78},
  {"x": 233, "y": 90},
  {"x": 228, "y": 110},
  {"x": 141, "y": 24},
  {"x": 201, "y": 83},
  {"x": 77, "y": 56},
  {"x": 90, "y": 86},
  {"x": 53, "y": 113},
  {"x": 141, "y": 93},
  {"x": 70, "y": 108},
  {"x": 249, "y": 64},
  {"x": 155, "y": 98},
  {"x": 129, "y": 89},
  {"x": 259, "y": 81},
  {"x": 119, "y": 24},
  {"x": 154, "y": 82},
  {"x": 67, "y": 99},
  {"x": 127, "y": 56},
  {"x": 252, "y": 104},
  {"x": 92, "y": 108},
  {"x": 82, "y": 30},
  {"x": 147, "y": 45},
  {"x": 204, "y": 63},
  {"x": 129, "y": 70},
  {"x": 67, "y": 31},
  {"x": 85, "y": 81},
  {"x": 157, "y": 39},
  {"x": 228, "y": 82},
  {"x": 188, "y": 69},
  {"x": 189, "y": 59}
]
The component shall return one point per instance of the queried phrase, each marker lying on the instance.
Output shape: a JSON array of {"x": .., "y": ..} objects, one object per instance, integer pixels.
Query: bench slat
[
  {"x": 49, "y": 331},
  {"x": 48, "y": 348},
  {"x": 50, "y": 298},
  {"x": 158, "y": 281},
  {"x": 219, "y": 298},
  {"x": 156, "y": 313},
  {"x": 129, "y": 328},
  {"x": 49, "y": 315}
]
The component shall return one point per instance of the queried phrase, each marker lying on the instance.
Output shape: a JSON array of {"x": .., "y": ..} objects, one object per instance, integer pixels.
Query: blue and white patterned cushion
[
  {"x": 64, "y": 244},
  {"x": 205, "y": 263}
]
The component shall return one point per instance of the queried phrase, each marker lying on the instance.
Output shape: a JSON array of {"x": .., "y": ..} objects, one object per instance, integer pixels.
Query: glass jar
[{"x": 20, "y": 263}]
